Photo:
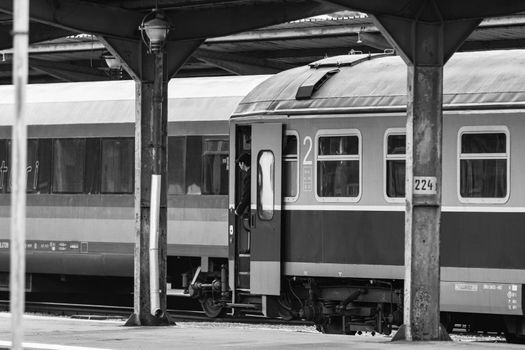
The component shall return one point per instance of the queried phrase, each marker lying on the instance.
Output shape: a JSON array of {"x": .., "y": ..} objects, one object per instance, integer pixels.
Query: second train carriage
[
  {"x": 324, "y": 239},
  {"x": 80, "y": 204}
]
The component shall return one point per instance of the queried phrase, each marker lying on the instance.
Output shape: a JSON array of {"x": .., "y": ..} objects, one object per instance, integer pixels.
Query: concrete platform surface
[{"x": 59, "y": 333}]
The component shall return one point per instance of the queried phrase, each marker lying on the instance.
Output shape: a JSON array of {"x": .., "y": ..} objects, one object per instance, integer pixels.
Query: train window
[
  {"x": 42, "y": 167},
  {"x": 215, "y": 166},
  {"x": 194, "y": 165},
  {"x": 117, "y": 165},
  {"x": 395, "y": 164},
  {"x": 4, "y": 165},
  {"x": 290, "y": 167},
  {"x": 483, "y": 164},
  {"x": 265, "y": 185},
  {"x": 176, "y": 164},
  {"x": 32, "y": 166},
  {"x": 198, "y": 165},
  {"x": 338, "y": 166},
  {"x": 38, "y": 166},
  {"x": 92, "y": 177},
  {"x": 68, "y": 165}
]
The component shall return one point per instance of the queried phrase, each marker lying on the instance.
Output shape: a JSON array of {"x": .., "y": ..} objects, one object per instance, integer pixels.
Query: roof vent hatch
[{"x": 314, "y": 83}]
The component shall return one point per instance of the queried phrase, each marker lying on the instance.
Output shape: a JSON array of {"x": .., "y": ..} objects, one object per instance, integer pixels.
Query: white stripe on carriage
[
  {"x": 449, "y": 274},
  {"x": 469, "y": 209}
]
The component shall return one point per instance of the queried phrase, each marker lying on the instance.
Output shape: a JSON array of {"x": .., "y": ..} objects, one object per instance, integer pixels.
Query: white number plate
[{"x": 425, "y": 185}]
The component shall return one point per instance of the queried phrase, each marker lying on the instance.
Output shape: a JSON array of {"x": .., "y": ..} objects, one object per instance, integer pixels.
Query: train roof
[
  {"x": 190, "y": 99},
  {"x": 379, "y": 82}
]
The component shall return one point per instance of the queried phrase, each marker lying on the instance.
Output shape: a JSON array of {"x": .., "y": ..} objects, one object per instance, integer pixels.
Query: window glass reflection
[{"x": 265, "y": 185}]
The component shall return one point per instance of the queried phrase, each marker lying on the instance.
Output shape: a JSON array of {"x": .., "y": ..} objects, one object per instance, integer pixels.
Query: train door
[
  {"x": 255, "y": 236},
  {"x": 265, "y": 213},
  {"x": 239, "y": 231}
]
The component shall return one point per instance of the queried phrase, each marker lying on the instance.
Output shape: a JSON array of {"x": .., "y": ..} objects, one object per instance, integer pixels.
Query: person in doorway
[{"x": 244, "y": 162}]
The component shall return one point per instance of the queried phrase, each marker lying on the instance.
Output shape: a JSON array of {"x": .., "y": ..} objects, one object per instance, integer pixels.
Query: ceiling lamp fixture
[
  {"x": 359, "y": 41},
  {"x": 112, "y": 62},
  {"x": 154, "y": 30}
]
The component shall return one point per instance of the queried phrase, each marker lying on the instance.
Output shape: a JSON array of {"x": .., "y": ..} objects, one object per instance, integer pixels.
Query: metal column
[
  {"x": 423, "y": 202},
  {"x": 425, "y": 46},
  {"x": 150, "y": 158},
  {"x": 151, "y": 73},
  {"x": 19, "y": 173}
]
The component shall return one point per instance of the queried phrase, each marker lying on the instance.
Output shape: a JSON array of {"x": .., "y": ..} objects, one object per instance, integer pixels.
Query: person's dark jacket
[{"x": 244, "y": 200}]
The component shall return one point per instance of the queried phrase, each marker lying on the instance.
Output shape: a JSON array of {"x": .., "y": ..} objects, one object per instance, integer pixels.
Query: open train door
[{"x": 266, "y": 170}]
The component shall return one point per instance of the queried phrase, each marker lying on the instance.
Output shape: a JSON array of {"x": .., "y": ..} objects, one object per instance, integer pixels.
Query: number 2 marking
[{"x": 308, "y": 140}]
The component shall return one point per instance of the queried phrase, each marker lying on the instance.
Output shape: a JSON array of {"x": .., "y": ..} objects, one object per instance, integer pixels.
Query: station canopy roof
[{"x": 262, "y": 51}]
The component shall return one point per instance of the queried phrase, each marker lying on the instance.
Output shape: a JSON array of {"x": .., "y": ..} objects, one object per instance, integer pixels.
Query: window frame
[
  {"x": 53, "y": 190},
  {"x": 4, "y": 175},
  {"x": 101, "y": 177},
  {"x": 339, "y": 132},
  {"x": 483, "y": 129},
  {"x": 296, "y": 197},
  {"x": 259, "y": 203},
  {"x": 386, "y": 158},
  {"x": 204, "y": 153},
  {"x": 203, "y": 139},
  {"x": 183, "y": 137}
]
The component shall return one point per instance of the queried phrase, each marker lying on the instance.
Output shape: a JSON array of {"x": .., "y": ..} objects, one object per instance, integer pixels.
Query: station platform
[{"x": 62, "y": 333}]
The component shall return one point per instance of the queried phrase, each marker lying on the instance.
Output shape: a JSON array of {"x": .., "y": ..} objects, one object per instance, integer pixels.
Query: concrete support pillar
[
  {"x": 425, "y": 46},
  {"x": 151, "y": 73},
  {"x": 150, "y": 158},
  {"x": 423, "y": 203}
]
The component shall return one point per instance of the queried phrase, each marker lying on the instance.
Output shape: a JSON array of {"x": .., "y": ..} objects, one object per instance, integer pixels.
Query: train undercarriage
[
  {"x": 335, "y": 306},
  {"x": 340, "y": 306}
]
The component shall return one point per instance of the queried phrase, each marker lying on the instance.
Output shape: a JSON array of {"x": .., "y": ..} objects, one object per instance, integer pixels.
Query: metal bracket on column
[
  {"x": 416, "y": 40},
  {"x": 178, "y": 53},
  {"x": 128, "y": 52}
]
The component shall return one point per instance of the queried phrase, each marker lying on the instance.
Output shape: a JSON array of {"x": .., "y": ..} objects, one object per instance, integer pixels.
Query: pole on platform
[
  {"x": 423, "y": 204},
  {"x": 18, "y": 171},
  {"x": 151, "y": 133},
  {"x": 425, "y": 46}
]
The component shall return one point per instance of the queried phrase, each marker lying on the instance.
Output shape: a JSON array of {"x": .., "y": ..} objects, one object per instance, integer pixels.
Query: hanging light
[
  {"x": 154, "y": 30},
  {"x": 359, "y": 41},
  {"x": 112, "y": 62}
]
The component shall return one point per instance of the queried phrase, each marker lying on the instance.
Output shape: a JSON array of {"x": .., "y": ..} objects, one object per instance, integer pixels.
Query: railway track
[
  {"x": 107, "y": 312},
  {"x": 87, "y": 311},
  {"x": 76, "y": 310}
]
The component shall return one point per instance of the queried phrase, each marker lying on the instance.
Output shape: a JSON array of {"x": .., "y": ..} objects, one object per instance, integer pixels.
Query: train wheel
[
  {"x": 211, "y": 308},
  {"x": 333, "y": 325}
]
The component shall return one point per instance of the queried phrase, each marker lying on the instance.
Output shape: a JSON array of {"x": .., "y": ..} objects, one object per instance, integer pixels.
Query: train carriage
[
  {"x": 80, "y": 203},
  {"x": 324, "y": 239}
]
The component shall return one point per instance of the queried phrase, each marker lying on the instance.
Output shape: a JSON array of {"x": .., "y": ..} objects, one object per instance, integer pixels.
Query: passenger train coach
[
  {"x": 324, "y": 237},
  {"x": 80, "y": 203}
]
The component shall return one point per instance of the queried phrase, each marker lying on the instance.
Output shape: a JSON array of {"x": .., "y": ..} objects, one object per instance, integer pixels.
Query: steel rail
[{"x": 87, "y": 311}]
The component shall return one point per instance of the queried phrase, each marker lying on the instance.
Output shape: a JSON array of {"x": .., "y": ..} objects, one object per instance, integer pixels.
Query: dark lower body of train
[{"x": 324, "y": 239}]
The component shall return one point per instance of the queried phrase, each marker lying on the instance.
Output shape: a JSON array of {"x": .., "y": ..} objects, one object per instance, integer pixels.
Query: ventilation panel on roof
[{"x": 314, "y": 83}]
